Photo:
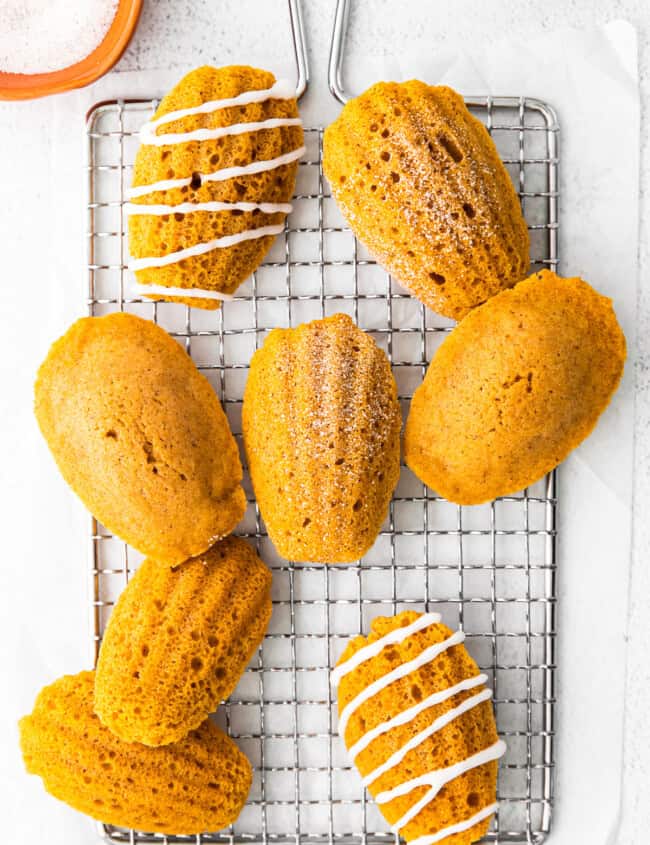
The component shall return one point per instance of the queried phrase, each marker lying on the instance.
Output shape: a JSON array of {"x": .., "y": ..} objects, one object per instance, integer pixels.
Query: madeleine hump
[
  {"x": 518, "y": 384},
  {"x": 140, "y": 436}
]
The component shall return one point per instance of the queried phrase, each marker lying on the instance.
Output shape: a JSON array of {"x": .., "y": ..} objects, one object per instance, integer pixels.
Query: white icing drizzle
[
  {"x": 431, "y": 729},
  {"x": 436, "y": 780},
  {"x": 207, "y": 246},
  {"x": 408, "y": 715},
  {"x": 459, "y": 827},
  {"x": 282, "y": 89},
  {"x": 189, "y": 207},
  {"x": 171, "y": 138},
  {"x": 279, "y": 90},
  {"x": 372, "y": 689},
  {"x": 371, "y": 650},
  {"x": 221, "y": 175},
  {"x": 193, "y": 293}
]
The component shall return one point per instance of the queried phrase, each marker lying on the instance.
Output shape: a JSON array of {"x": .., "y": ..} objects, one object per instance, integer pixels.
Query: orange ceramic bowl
[{"x": 26, "y": 86}]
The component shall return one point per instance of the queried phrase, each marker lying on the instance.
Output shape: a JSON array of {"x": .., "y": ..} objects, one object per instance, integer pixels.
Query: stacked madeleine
[
  {"x": 191, "y": 632},
  {"x": 198, "y": 783},
  {"x": 140, "y": 436},
  {"x": 524, "y": 377}
]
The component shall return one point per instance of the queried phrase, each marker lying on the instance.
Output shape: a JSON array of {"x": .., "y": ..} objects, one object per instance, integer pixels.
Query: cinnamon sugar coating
[
  {"x": 421, "y": 184},
  {"x": 321, "y": 425}
]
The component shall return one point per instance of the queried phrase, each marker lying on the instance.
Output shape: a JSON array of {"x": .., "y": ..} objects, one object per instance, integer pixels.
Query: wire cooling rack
[{"x": 490, "y": 570}]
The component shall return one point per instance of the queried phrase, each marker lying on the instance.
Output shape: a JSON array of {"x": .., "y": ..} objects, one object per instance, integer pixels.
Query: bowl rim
[{"x": 26, "y": 86}]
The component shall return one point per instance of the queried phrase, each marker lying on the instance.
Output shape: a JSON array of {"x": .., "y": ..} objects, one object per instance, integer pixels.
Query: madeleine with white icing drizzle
[
  {"x": 417, "y": 719},
  {"x": 212, "y": 183}
]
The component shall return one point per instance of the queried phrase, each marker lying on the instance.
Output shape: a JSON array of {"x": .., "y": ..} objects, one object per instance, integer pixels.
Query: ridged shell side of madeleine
[
  {"x": 468, "y": 733},
  {"x": 140, "y": 436},
  {"x": 321, "y": 424},
  {"x": 515, "y": 387},
  {"x": 224, "y": 268},
  {"x": 178, "y": 641},
  {"x": 197, "y": 784},
  {"x": 421, "y": 184}
]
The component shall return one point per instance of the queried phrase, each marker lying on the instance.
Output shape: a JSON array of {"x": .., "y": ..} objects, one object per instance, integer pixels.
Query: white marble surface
[{"x": 33, "y": 310}]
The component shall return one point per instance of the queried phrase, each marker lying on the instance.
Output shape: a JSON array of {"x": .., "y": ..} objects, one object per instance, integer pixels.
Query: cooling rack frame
[{"x": 501, "y": 557}]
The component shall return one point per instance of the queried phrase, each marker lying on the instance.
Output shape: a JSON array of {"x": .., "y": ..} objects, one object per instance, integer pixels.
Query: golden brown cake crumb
[
  {"x": 178, "y": 641},
  {"x": 321, "y": 426},
  {"x": 517, "y": 385},
  {"x": 199, "y": 783},
  {"x": 140, "y": 436},
  {"x": 420, "y": 182}
]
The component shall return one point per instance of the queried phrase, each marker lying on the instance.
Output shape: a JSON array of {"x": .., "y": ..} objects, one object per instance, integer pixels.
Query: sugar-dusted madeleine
[
  {"x": 212, "y": 183},
  {"x": 197, "y": 784},
  {"x": 416, "y": 718},
  {"x": 421, "y": 184},
  {"x": 517, "y": 385},
  {"x": 321, "y": 425},
  {"x": 140, "y": 436},
  {"x": 178, "y": 641}
]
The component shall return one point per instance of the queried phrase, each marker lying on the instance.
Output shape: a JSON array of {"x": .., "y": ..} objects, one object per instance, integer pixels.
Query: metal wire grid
[{"x": 490, "y": 570}]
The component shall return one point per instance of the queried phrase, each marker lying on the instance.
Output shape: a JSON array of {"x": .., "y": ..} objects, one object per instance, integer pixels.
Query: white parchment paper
[{"x": 590, "y": 78}]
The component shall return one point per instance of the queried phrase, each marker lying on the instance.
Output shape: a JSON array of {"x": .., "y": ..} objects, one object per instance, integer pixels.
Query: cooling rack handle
[
  {"x": 299, "y": 46},
  {"x": 335, "y": 67}
]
